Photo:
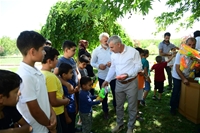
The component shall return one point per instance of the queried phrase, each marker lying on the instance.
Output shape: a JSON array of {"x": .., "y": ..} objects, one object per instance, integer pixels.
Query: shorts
[
  {"x": 159, "y": 85},
  {"x": 140, "y": 94},
  {"x": 147, "y": 86}
]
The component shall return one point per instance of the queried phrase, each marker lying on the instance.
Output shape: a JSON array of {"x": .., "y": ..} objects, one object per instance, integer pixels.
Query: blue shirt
[
  {"x": 71, "y": 107},
  {"x": 86, "y": 101},
  {"x": 71, "y": 62}
]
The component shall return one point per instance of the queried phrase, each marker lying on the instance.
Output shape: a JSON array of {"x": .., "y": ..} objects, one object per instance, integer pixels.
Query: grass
[{"x": 157, "y": 118}]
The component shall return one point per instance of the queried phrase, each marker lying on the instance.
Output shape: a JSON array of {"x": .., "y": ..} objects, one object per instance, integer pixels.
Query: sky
[{"x": 20, "y": 15}]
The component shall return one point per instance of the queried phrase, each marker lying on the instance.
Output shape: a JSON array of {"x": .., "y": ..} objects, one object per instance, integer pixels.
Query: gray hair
[
  {"x": 104, "y": 34},
  {"x": 115, "y": 39}
]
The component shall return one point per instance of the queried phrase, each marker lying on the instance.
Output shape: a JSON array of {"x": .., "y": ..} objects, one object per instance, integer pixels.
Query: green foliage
[
  {"x": 182, "y": 7},
  {"x": 78, "y": 20},
  {"x": 8, "y": 46}
]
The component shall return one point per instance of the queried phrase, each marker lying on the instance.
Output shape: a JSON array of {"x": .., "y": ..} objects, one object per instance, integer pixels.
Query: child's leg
[
  {"x": 67, "y": 118},
  {"x": 161, "y": 87},
  {"x": 86, "y": 122},
  {"x": 71, "y": 126}
]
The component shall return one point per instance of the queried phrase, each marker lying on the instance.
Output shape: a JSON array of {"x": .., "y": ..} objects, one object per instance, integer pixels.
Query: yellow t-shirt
[{"x": 54, "y": 84}]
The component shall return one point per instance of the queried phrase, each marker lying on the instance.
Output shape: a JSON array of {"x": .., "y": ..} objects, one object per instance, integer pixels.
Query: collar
[
  {"x": 32, "y": 70},
  {"x": 125, "y": 49},
  {"x": 101, "y": 47},
  {"x": 166, "y": 43}
]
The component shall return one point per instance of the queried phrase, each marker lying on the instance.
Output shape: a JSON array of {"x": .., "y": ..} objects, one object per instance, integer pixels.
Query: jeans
[
  {"x": 169, "y": 75},
  {"x": 105, "y": 100},
  {"x": 175, "y": 97}
]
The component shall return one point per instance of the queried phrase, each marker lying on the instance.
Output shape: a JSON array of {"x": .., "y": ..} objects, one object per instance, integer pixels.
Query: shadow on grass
[{"x": 157, "y": 118}]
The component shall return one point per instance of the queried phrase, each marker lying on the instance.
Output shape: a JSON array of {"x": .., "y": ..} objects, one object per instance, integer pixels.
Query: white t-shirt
[
  {"x": 33, "y": 87},
  {"x": 186, "y": 71},
  {"x": 171, "y": 63}
]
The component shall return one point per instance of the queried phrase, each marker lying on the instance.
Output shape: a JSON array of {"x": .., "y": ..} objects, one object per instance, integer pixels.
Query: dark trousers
[
  {"x": 105, "y": 100},
  {"x": 175, "y": 97},
  {"x": 169, "y": 75},
  {"x": 61, "y": 124},
  {"x": 71, "y": 126}
]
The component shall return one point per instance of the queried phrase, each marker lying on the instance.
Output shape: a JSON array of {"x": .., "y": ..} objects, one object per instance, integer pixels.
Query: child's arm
[
  {"x": 171, "y": 58},
  {"x": 57, "y": 102},
  {"x": 37, "y": 113},
  {"x": 24, "y": 128},
  {"x": 67, "y": 118}
]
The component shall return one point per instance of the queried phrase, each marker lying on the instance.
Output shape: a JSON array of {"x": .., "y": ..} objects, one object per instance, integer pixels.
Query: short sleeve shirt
[
  {"x": 145, "y": 63},
  {"x": 71, "y": 62},
  {"x": 54, "y": 85},
  {"x": 11, "y": 116},
  {"x": 165, "y": 47},
  {"x": 159, "y": 71}
]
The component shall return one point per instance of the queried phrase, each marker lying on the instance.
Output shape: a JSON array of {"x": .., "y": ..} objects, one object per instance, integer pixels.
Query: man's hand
[
  {"x": 102, "y": 66},
  {"x": 53, "y": 131},
  {"x": 108, "y": 64},
  {"x": 186, "y": 82},
  {"x": 105, "y": 83}
]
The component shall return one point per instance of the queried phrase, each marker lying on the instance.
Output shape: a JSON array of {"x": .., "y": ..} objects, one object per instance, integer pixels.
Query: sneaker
[
  {"x": 117, "y": 128},
  {"x": 154, "y": 98},
  {"x": 129, "y": 130},
  {"x": 142, "y": 103},
  {"x": 139, "y": 118}
]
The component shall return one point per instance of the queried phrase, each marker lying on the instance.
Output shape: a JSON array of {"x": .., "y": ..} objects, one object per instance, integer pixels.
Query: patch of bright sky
[{"x": 20, "y": 15}]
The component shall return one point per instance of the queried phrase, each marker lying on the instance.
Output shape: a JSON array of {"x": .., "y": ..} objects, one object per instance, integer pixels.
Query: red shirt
[{"x": 159, "y": 71}]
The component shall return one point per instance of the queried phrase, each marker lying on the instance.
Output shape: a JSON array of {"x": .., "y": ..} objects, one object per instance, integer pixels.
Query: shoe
[
  {"x": 79, "y": 123},
  {"x": 139, "y": 118},
  {"x": 78, "y": 130},
  {"x": 142, "y": 103},
  {"x": 117, "y": 128},
  {"x": 154, "y": 98},
  {"x": 139, "y": 113},
  {"x": 129, "y": 130}
]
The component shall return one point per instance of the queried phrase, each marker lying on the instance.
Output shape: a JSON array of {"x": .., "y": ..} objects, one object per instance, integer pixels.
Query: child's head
[
  {"x": 69, "y": 48},
  {"x": 51, "y": 56},
  {"x": 86, "y": 83},
  {"x": 83, "y": 61},
  {"x": 158, "y": 59},
  {"x": 146, "y": 53},
  {"x": 30, "y": 43},
  {"x": 65, "y": 71},
  {"x": 140, "y": 50},
  {"x": 9, "y": 88}
]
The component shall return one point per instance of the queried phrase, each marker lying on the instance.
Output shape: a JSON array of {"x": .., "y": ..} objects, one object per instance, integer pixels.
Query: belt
[{"x": 127, "y": 81}]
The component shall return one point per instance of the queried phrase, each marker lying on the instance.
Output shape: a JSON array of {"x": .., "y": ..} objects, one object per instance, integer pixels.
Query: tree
[
  {"x": 178, "y": 10},
  {"x": 7, "y": 46},
  {"x": 69, "y": 21}
]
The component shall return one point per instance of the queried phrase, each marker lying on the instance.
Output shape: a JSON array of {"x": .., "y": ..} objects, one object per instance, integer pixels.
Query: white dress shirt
[
  {"x": 101, "y": 56},
  {"x": 129, "y": 61}
]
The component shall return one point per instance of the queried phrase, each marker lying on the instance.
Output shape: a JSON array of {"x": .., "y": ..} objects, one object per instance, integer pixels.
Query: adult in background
[
  {"x": 164, "y": 48},
  {"x": 197, "y": 37},
  {"x": 125, "y": 63},
  {"x": 179, "y": 76},
  {"x": 101, "y": 60},
  {"x": 83, "y": 44}
]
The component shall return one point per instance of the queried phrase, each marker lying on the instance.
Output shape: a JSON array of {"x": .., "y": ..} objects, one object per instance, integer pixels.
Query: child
[
  {"x": 54, "y": 87},
  {"x": 171, "y": 63},
  {"x": 34, "y": 102},
  {"x": 83, "y": 61},
  {"x": 145, "y": 66},
  {"x": 66, "y": 74},
  {"x": 159, "y": 76},
  {"x": 86, "y": 102},
  {"x": 10, "y": 119}
]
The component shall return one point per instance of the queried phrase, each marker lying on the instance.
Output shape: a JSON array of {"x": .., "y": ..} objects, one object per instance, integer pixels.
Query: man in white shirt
[
  {"x": 125, "y": 63},
  {"x": 178, "y": 77},
  {"x": 101, "y": 60}
]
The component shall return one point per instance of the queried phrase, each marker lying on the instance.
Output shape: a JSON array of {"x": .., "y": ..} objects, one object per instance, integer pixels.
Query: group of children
[{"x": 51, "y": 97}]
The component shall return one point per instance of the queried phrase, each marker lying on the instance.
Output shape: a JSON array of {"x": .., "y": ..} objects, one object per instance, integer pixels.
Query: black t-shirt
[{"x": 11, "y": 116}]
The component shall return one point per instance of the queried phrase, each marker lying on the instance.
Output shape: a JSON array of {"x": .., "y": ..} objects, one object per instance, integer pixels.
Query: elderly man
[
  {"x": 101, "y": 60},
  {"x": 164, "y": 48},
  {"x": 125, "y": 63}
]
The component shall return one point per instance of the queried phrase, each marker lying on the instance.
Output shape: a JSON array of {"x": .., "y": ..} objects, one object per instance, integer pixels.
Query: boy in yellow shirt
[{"x": 54, "y": 88}]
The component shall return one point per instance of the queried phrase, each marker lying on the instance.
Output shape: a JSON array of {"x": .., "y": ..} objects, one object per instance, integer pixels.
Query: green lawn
[{"x": 157, "y": 118}]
